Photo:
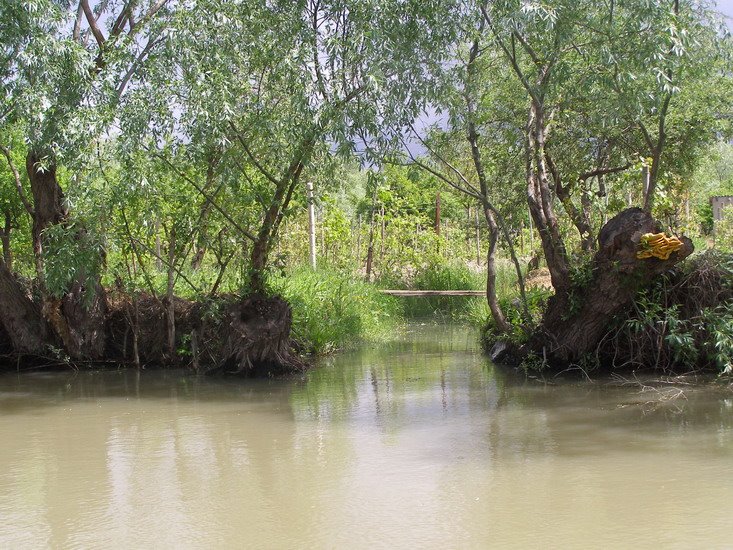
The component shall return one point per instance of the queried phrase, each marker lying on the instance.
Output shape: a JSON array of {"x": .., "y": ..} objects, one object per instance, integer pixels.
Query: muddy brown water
[{"x": 418, "y": 444}]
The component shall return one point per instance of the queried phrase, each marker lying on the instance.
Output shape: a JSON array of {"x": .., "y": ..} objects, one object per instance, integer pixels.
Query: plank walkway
[{"x": 434, "y": 292}]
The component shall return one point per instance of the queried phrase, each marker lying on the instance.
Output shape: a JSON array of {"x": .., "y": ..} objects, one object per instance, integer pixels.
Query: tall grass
[
  {"x": 458, "y": 276},
  {"x": 507, "y": 291},
  {"x": 332, "y": 310}
]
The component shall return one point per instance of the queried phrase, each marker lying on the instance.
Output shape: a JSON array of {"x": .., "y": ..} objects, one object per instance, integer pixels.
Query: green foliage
[
  {"x": 511, "y": 306},
  {"x": 70, "y": 253},
  {"x": 183, "y": 136},
  {"x": 685, "y": 320},
  {"x": 723, "y": 231},
  {"x": 718, "y": 341},
  {"x": 581, "y": 274},
  {"x": 533, "y": 362},
  {"x": 333, "y": 311}
]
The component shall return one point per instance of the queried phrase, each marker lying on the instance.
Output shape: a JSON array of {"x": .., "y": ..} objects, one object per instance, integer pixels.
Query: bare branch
[{"x": 603, "y": 171}]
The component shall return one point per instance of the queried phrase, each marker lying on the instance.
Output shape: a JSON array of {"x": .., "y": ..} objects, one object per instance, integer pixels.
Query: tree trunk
[
  {"x": 496, "y": 313},
  {"x": 588, "y": 243},
  {"x": 478, "y": 239},
  {"x": 21, "y": 317},
  {"x": 78, "y": 317},
  {"x": 573, "y": 328},
  {"x": 7, "y": 251},
  {"x": 579, "y": 216},
  {"x": 271, "y": 223},
  {"x": 201, "y": 241},
  {"x": 170, "y": 298},
  {"x": 258, "y": 338},
  {"x": 540, "y": 199}
]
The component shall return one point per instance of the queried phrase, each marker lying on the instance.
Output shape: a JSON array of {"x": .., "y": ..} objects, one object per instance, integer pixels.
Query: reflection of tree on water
[
  {"x": 431, "y": 376},
  {"x": 420, "y": 430}
]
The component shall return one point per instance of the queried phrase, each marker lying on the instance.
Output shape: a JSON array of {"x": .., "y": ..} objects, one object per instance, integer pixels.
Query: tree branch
[
  {"x": 603, "y": 171},
  {"x": 18, "y": 183},
  {"x": 444, "y": 161},
  {"x": 155, "y": 8},
  {"x": 136, "y": 64},
  {"x": 510, "y": 56},
  {"x": 257, "y": 164},
  {"x": 77, "y": 23},
  {"x": 92, "y": 20},
  {"x": 206, "y": 196}
]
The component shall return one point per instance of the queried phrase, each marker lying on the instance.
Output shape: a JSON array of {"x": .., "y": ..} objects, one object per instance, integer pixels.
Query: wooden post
[
  {"x": 381, "y": 234},
  {"x": 437, "y": 220},
  {"x": 311, "y": 224},
  {"x": 358, "y": 238},
  {"x": 372, "y": 223},
  {"x": 322, "y": 213}
]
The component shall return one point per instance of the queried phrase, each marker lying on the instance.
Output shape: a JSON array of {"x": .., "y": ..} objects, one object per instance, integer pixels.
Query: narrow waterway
[{"x": 419, "y": 444}]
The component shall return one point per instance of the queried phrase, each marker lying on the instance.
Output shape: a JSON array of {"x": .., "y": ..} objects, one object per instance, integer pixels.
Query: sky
[{"x": 726, "y": 7}]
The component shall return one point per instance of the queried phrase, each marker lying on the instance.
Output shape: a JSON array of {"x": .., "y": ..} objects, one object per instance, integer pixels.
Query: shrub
[
  {"x": 443, "y": 276},
  {"x": 683, "y": 322}
]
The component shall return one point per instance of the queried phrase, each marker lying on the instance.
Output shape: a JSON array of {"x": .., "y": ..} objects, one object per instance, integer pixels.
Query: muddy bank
[{"x": 223, "y": 335}]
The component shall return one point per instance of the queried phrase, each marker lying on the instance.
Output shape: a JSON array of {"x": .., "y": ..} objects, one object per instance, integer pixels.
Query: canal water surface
[{"x": 416, "y": 444}]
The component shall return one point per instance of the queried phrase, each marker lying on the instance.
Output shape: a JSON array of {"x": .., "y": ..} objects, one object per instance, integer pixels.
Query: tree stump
[{"x": 575, "y": 322}]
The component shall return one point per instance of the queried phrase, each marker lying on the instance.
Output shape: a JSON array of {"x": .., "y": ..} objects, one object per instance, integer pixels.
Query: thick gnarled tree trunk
[
  {"x": 21, "y": 317},
  {"x": 78, "y": 317},
  {"x": 574, "y": 326}
]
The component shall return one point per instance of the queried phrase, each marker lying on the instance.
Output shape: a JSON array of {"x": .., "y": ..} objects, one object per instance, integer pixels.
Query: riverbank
[{"x": 679, "y": 323}]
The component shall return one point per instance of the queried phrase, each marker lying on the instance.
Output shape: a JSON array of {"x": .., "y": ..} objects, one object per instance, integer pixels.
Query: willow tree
[
  {"x": 273, "y": 84},
  {"x": 268, "y": 89},
  {"x": 634, "y": 58},
  {"x": 65, "y": 68}
]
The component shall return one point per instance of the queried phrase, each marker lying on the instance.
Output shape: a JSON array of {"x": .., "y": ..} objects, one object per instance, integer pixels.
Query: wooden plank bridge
[{"x": 434, "y": 292}]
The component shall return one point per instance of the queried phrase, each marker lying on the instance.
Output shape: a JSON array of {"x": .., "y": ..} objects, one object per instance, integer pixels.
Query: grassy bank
[
  {"x": 333, "y": 310},
  {"x": 455, "y": 275}
]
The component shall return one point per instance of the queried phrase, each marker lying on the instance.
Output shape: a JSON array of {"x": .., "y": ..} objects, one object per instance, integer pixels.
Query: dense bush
[
  {"x": 444, "y": 276},
  {"x": 684, "y": 322}
]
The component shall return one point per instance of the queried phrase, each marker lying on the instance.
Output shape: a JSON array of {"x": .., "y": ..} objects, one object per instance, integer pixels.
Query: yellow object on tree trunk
[{"x": 657, "y": 245}]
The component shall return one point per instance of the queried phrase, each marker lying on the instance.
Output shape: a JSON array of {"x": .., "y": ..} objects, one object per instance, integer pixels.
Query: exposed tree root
[{"x": 249, "y": 337}]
